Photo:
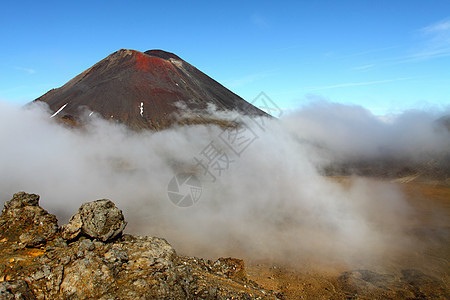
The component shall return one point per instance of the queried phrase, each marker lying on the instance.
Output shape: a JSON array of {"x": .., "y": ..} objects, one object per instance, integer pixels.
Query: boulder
[
  {"x": 231, "y": 267},
  {"x": 99, "y": 219},
  {"x": 24, "y": 221},
  {"x": 15, "y": 289},
  {"x": 99, "y": 262}
]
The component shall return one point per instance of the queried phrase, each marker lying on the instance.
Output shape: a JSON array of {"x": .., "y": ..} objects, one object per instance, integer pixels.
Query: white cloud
[
  {"x": 350, "y": 84},
  {"x": 365, "y": 67},
  {"x": 273, "y": 189},
  {"x": 28, "y": 70},
  {"x": 439, "y": 27},
  {"x": 437, "y": 41}
]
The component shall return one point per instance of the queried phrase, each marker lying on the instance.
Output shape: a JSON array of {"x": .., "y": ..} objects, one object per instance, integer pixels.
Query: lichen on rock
[
  {"x": 23, "y": 221},
  {"x": 99, "y": 219},
  {"x": 90, "y": 258},
  {"x": 15, "y": 289}
]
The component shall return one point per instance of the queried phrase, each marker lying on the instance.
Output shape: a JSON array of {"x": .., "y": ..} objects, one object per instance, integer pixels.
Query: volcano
[{"x": 153, "y": 89}]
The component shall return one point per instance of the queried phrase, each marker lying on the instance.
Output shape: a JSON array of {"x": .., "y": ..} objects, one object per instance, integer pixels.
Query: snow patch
[
  {"x": 141, "y": 108},
  {"x": 90, "y": 114},
  {"x": 176, "y": 62},
  {"x": 58, "y": 111}
]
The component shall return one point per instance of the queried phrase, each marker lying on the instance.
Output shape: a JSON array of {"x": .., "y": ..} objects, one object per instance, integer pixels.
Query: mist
[{"x": 269, "y": 203}]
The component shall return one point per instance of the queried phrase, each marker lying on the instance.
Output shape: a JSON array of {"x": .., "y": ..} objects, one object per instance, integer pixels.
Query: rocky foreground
[{"x": 90, "y": 258}]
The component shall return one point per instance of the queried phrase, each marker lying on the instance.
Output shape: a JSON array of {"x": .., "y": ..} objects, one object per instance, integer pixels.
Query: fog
[{"x": 268, "y": 202}]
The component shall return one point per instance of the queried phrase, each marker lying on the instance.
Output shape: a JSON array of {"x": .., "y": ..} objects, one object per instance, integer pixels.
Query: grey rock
[
  {"x": 116, "y": 254},
  {"x": 99, "y": 219},
  {"x": 15, "y": 289},
  {"x": 86, "y": 278},
  {"x": 65, "y": 260},
  {"x": 73, "y": 229},
  {"x": 231, "y": 267},
  {"x": 38, "y": 275},
  {"x": 87, "y": 245},
  {"x": 96, "y": 262},
  {"x": 21, "y": 200},
  {"x": 23, "y": 221}
]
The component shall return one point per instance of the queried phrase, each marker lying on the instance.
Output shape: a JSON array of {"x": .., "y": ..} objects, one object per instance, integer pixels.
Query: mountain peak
[
  {"x": 143, "y": 90},
  {"x": 162, "y": 54}
]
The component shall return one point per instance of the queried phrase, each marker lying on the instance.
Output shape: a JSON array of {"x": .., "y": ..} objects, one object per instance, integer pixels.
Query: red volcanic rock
[{"x": 143, "y": 90}]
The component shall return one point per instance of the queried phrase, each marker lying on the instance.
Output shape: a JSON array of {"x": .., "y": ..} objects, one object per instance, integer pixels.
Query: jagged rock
[
  {"x": 20, "y": 200},
  {"x": 86, "y": 277},
  {"x": 99, "y": 263},
  {"x": 231, "y": 267},
  {"x": 99, "y": 219},
  {"x": 73, "y": 229},
  {"x": 15, "y": 289},
  {"x": 24, "y": 221}
]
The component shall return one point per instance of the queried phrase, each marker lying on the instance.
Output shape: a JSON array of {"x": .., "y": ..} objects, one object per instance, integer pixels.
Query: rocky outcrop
[
  {"x": 100, "y": 219},
  {"x": 23, "y": 221},
  {"x": 15, "y": 289},
  {"x": 91, "y": 258}
]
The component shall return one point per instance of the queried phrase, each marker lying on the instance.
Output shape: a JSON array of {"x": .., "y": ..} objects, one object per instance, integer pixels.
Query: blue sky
[{"x": 387, "y": 56}]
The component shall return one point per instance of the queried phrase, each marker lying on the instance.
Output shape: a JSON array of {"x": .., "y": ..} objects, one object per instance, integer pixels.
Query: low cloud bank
[{"x": 264, "y": 197}]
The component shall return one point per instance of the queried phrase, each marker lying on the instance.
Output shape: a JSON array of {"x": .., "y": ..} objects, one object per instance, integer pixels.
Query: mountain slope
[{"x": 144, "y": 90}]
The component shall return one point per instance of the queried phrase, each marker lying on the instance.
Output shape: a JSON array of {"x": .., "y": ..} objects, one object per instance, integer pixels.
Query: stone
[
  {"x": 86, "y": 278},
  {"x": 73, "y": 229},
  {"x": 23, "y": 221},
  {"x": 96, "y": 261},
  {"x": 21, "y": 200},
  {"x": 99, "y": 219},
  {"x": 231, "y": 267},
  {"x": 15, "y": 289}
]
